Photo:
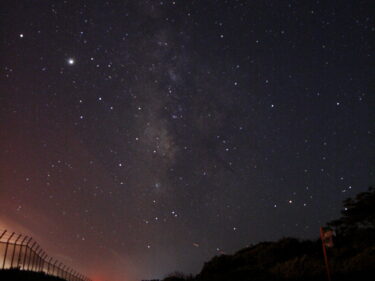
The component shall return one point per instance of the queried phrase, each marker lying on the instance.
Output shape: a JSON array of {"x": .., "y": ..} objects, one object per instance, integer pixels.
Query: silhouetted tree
[
  {"x": 290, "y": 259},
  {"x": 358, "y": 213}
]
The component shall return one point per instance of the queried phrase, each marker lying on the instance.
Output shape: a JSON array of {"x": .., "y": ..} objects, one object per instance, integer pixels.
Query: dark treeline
[{"x": 351, "y": 258}]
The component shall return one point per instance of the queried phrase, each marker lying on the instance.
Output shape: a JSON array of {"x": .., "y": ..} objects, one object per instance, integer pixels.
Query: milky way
[{"x": 138, "y": 138}]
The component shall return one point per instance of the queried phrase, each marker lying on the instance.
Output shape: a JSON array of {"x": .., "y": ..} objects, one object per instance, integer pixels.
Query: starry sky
[{"x": 138, "y": 138}]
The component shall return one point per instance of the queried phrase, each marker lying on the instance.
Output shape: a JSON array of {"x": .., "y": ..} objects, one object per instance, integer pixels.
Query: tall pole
[{"x": 325, "y": 254}]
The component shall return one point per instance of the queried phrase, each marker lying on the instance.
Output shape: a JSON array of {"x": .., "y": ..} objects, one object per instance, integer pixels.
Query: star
[{"x": 71, "y": 61}]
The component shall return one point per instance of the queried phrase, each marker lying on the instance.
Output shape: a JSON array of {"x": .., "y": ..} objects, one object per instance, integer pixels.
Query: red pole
[{"x": 325, "y": 254}]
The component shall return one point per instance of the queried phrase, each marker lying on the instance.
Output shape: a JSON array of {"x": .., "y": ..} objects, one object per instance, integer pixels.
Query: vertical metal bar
[
  {"x": 66, "y": 272},
  {"x": 49, "y": 263},
  {"x": 24, "y": 257},
  {"x": 59, "y": 267},
  {"x": 33, "y": 263},
  {"x": 20, "y": 252},
  {"x": 31, "y": 251},
  {"x": 54, "y": 268},
  {"x": 34, "y": 257},
  {"x": 37, "y": 259},
  {"x": 43, "y": 259},
  {"x": 40, "y": 259},
  {"x": 1, "y": 236},
  {"x": 71, "y": 275},
  {"x": 6, "y": 249},
  {"x": 14, "y": 250}
]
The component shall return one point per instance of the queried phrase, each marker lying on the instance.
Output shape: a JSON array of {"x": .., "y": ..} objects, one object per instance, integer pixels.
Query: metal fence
[{"x": 22, "y": 252}]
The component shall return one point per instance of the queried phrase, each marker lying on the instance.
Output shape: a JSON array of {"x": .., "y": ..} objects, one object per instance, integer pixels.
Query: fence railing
[{"x": 22, "y": 252}]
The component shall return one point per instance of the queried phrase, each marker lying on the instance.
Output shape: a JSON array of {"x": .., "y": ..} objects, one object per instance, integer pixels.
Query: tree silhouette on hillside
[{"x": 351, "y": 258}]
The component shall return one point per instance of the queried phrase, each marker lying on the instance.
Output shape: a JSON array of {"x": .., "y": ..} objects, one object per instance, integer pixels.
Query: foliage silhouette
[{"x": 351, "y": 258}]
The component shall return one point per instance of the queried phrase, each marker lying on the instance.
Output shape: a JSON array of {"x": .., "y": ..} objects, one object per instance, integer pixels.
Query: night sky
[{"x": 139, "y": 137}]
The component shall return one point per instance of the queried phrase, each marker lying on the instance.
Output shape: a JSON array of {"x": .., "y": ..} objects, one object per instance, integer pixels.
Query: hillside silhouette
[
  {"x": 24, "y": 275},
  {"x": 351, "y": 258}
]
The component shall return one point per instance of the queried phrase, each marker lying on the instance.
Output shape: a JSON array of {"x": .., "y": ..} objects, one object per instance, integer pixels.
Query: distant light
[
  {"x": 71, "y": 61},
  {"x": 21, "y": 35}
]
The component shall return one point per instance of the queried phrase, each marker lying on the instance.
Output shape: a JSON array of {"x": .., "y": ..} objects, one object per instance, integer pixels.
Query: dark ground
[{"x": 21, "y": 275}]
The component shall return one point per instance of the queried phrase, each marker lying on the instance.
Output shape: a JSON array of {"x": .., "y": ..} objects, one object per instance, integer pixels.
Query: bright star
[{"x": 71, "y": 61}]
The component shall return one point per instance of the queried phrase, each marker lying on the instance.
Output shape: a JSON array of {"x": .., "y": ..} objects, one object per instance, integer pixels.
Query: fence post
[
  {"x": 14, "y": 250},
  {"x": 63, "y": 271},
  {"x": 24, "y": 257},
  {"x": 20, "y": 252},
  {"x": 44, "y": 260},
  {"x": 1, "y": 236},
  {"x": 38, "y": 259},
  {"x": 55, "y": 268},
  {"x": 35, "y": 258},
  {"x": 31, "y": 251},
  {"x": 30, "y": 256},
  {"x": 60, "y": 269},
  {"x": 48, "y": 264},
  {"x": 72, "y": 278},
  {"x": 40, "y": 254},
  {"x": 6, "y": 249}
]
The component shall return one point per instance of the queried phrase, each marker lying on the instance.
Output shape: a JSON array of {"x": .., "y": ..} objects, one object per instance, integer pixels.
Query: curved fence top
[{"x": 22, "y": 252}]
